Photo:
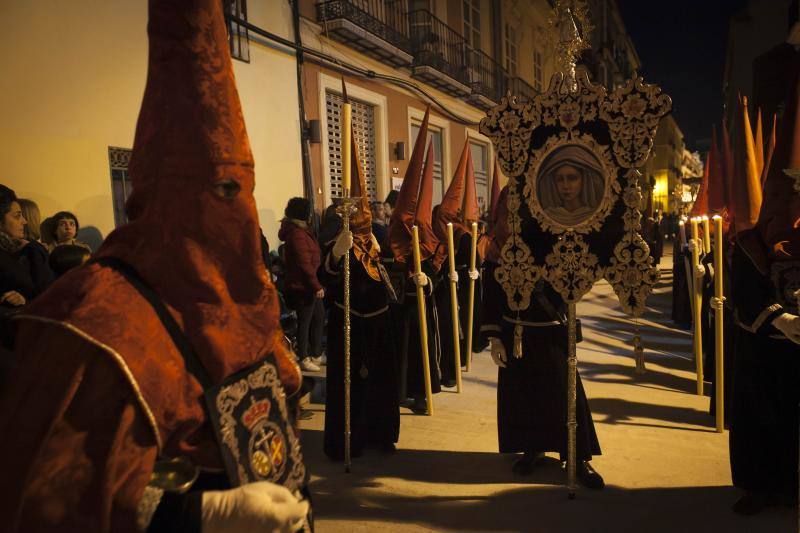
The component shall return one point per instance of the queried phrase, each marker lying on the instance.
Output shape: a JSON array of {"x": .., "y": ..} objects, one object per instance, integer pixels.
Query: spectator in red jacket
[{"x": 302, "y": 289}]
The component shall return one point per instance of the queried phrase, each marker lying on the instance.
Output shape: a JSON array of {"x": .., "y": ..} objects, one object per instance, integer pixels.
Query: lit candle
[
  {"x": 706, "y": 234},
  {"x": 693, "y": 222},
  {"x": 718, "y": 243},
  {"x": 347, "y": 128},
  {"x": 682, "y": 230}
]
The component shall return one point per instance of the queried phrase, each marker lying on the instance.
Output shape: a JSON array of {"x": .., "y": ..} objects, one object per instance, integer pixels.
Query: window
[
  {"x": 472, "y": 23},
  {"x": 511, "y": 50},
  {"x": 118, "y": 160},
  {"x": 238, "y": 38},
  {"x": 434, "y": 134},
  {"x": 538, "y": 71},
  {"x": 364, "y": 132},
  {"x": 480, "y": 162}
]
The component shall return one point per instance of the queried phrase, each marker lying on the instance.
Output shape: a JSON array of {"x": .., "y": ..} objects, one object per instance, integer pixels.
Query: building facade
[
  {"x": 663, "y": 172},
  {"x": 72, "y": 97},
  {"x": 399, "y": 56}
]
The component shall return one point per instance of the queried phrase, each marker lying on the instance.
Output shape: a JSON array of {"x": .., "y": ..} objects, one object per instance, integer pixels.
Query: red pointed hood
[
  {"x": 779, "y": 220},
  {"x": 700, "y": 206},
  {"x": 193, "y": 233},
  {"x": 407, "y": 210},
  {"x": 769, "y": 149},
  {"x": 450, "y": 208},
  {"x": 726, "y": 163},
  {"x": 758, "y": 138},
  {"x": 470, "y": 212},
  {"x": 500, "y": 231},
  {"x": 716, "y": 179},
  {"x": 423, "y": 219},
  {"x": 495, "y": 197},
  {"x": 747, "y": 178}
]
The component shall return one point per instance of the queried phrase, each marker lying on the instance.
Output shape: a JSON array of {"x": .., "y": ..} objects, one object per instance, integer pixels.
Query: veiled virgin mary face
[{"x": 569, "y": 182}]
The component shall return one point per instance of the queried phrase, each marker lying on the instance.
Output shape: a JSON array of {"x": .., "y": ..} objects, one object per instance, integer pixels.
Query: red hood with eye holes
[{"x": 199, "y": 252}]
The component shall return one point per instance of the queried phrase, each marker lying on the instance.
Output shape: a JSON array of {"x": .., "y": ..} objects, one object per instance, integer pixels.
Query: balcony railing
[
  {"x": 521, "y": 89},
  {"x": 377, "y": 28},
  {"x": 440, "y": 54},
  {"x": 489, "y": 79}
]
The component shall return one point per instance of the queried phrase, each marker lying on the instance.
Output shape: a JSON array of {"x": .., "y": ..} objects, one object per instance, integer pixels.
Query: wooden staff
[
  {"x": 718, "y": 303},
  {"x": 572, "y": 422},
  {"x": 706, "y": 235},
  {"x": 454, "y": 305},
  {"x": 697, "y": 297},
  {"x": 470, "y": 312},
  {"x": 345, "y": 207},
  {"x": 423, "y": 323}
]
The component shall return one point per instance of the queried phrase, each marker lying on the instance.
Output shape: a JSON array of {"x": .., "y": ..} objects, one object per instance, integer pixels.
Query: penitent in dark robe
[
  {"x": 532, "y": 389},
  {"x": 414, "y": 209},
  {"x": 374, "y": 408}
]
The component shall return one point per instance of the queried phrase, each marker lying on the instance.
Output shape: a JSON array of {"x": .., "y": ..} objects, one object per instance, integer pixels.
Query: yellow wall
[{"x": 72, "y": 83}]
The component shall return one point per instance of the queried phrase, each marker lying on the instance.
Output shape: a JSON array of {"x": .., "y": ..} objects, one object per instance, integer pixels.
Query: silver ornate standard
[{"x": 346, "y": 208}]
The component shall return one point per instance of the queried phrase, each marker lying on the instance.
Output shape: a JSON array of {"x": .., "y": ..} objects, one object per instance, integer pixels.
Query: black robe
[
  {"x": 444, "y": 309},
  {"x": 681, "y": 306},
  {"x": 532, "y": 390},
  {"x": 374, "y": 408},
  {"x": 405, "y": 321},
  {"x": 766, "y": 388}
]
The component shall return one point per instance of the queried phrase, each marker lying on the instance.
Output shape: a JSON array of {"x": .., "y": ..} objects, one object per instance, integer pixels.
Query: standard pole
[
  {"x": 423, "y": 324},
  {"x": 572, "y": 424},
  {"x": 697, "y": 310},
  {"x": 346, "y": 206},
  {"x": 470, "y": 312},
  {"x": 718, "y": 303},
  {"x": 454, "y": 305}
]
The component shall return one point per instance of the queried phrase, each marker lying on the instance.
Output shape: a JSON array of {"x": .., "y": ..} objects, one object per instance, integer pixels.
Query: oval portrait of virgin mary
[{"x": 570, "y": 185}]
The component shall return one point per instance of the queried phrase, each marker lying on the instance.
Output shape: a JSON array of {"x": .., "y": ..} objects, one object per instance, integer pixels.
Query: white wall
[{"x": 72, "y": 83}]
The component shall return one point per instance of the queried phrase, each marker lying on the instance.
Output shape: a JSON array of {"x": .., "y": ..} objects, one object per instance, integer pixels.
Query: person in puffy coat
[{"x": 302, "y": 290}]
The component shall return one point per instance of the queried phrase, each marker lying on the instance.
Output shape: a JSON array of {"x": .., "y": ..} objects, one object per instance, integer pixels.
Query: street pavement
[{"x": 665, "y": 467}]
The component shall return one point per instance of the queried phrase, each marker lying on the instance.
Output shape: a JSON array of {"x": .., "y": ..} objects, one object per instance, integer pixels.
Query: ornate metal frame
[{"x": 618, "y": 128}]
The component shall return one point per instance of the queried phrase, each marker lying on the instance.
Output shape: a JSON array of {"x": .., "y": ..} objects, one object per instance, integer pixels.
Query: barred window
[
  {"x": 538, "y": 71},
  {"x": 435, "y": 135},
  {"x": 118, "y": 160},
  {"x": 238, "y": 38},
  {"x": 480, "y": 162}
]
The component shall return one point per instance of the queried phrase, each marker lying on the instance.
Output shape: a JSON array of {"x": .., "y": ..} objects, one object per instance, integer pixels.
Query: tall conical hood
[
  {"x": 193, "y": 233},
  {"x": 423, "y": 218},
  {"x": 450, "y": 208},
  {"x": 726, "y": 151},
  {"x": 501, "y": 229},
  {"x": 495, "y": 197},
  {"x": 779, "y": 221},
  {"x": 716, "y": 178},
  {"x": 700, "y": 206},
  {"x": 405, "y": 209},
  {"x": 470, "y": 212},
  {"x": 747, "y": 179},
  {"x": 361, "y": 221},
  {"x": 758, "y": 138},
  {"x": 769, "y": 149}
]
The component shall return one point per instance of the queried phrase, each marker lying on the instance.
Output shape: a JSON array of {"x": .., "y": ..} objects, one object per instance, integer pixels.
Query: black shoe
[
  {"x": 449, "y": 383},
  {"x": 588, "y": 476},
  {"x": 386, "y": 448},
  {"x": 420, "y": 406},
  {"x": 524, "y": 465},
  {"x": 750, "y": 504}
]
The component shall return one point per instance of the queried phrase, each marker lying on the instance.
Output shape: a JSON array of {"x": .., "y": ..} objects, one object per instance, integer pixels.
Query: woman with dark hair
[
  {"x": 66, "y": 257},
  {"x": 302, "y": 289},
  {"x": 65, "y": 230},
  {"x": 23, "y": 264}
]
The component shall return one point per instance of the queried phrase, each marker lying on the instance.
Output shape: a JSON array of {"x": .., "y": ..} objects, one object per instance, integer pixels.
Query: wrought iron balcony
[
  {"x": 440, "y": 54},
  {"x": 521, "y": 89},
  {"x": 488, "y": 79},
  {"x": 377, "y": 28}
]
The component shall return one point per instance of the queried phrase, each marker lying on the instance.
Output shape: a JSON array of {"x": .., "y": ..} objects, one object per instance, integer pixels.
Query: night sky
[{"x": 681, "y": 44}]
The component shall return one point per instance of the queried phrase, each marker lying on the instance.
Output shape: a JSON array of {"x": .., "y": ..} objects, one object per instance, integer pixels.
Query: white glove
[
  {"x": 700, "y": 271},
  {"x": 344, "y": 241},
  {"x": 421, "y": 279},
  {"x": 260, "y": 506},
  {"x": 789, "y": 325},
  {"x": 474, "y": 275},
  {"x": 453, "y": 277},
  {"x": 498, "y": 352}
]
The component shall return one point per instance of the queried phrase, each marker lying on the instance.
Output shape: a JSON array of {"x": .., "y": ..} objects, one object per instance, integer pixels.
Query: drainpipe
[{"x": 308, "y": 177}]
